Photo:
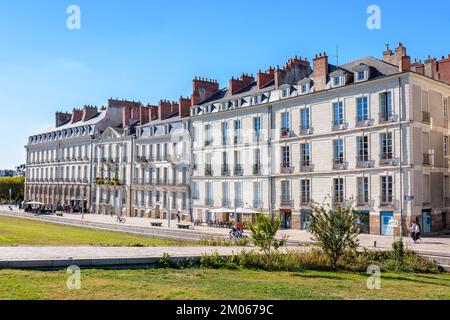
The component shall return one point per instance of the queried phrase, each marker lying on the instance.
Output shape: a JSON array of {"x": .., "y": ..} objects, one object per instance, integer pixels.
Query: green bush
[{"x": 221, "y": 242}]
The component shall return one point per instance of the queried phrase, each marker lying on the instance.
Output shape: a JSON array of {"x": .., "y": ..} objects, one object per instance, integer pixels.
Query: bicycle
[{"x": 121, "y": 220}]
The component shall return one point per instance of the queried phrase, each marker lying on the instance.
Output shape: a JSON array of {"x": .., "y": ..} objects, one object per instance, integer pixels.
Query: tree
[
  {"x": 264, "y": 232},
  {"x": 335, "y": 230},
  {"x": 15, "y": 184}
]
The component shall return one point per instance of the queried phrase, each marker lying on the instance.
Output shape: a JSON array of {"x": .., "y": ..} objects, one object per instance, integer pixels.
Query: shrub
[
  {"x": 335, "y": 230},
  {"x": 264, "y": 232}
]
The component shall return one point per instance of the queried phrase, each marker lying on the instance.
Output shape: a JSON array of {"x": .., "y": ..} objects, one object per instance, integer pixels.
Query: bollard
[{"x": 374, "y": 244}]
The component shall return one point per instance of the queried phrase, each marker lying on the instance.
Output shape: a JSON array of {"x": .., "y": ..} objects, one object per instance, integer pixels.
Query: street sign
[
  {"x": 393, "y": 223},
  {"x": 409, "y": 198}
]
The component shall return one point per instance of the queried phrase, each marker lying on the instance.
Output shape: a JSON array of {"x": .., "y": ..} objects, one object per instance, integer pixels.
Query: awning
[
  {"x": 246, "y": 211},
  {"x": 35, "y": 203},
  {"x": 222, "y": 210}
]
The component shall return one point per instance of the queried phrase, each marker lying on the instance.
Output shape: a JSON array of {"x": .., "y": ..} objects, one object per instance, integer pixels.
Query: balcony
[
  {"x": 237, "y": 140},
  {"x": 387, "y": 117},
  {"x": 208, "y": 142},
  {"x": 339, "y": 126},
  {"x": 306, "y": 166},
  {"x": 286, "y": 168},
  {"x": 238, "y": 203},
  {"x": 387, "y": 200},
  {"x": 256, "y": 169},
  {"x": 387, "y": 159},
  {"x": 225, "y": 170},
  {"x": 426, "y": 159},
  {"x": 238, "y": 171},
  {"x": 286, "y": 133},
  {"x": 258, "y": 204},
  {"x": 208, "y": 171},
  {"x": 363, "y": 122},
  {"x": 306, "y": 130},
  {"x": 286, "y": 201},
  {"x": 226, "y": 203},
  {"x": 306, "y": 200},
  {"x": 338, "y": 201},
  {"x": 209, "y": 202},
  {"x": 364, "y": 162},
  {"x": 426, "y": 117},
  {"x": 340, "y": 164}
]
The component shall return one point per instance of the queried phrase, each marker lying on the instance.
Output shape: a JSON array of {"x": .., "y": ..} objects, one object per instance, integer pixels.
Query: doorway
[
  {"x": 306, "y": 219},
  {"x": 426, "y": 221},
  {"x": 286, "y": 219},
  {"x": 386, "y": 217}
]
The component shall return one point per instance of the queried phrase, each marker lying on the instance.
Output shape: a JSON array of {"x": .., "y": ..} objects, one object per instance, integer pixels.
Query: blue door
[
  {"x": 426, "y": 221},
  {"x": 386, "y": 217},
  {"x": 306, "y": 219}
]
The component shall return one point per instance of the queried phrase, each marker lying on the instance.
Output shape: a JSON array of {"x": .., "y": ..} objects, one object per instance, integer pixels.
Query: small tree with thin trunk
[
  {"x": 335, "y": 230},
  {"x": 264, "y": 232}
]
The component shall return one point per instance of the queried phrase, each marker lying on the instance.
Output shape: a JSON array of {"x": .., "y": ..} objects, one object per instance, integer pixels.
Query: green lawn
[
  {"x": 16, "y": 231},
  {"x": 218, "y": 284}
]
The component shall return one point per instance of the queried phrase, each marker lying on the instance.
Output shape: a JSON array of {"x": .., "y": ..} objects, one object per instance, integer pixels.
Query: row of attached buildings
[{"x": 375, "y": 131}]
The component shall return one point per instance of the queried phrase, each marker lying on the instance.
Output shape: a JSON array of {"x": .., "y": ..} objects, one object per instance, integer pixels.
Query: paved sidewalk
[{"x": 432, "y": 245}]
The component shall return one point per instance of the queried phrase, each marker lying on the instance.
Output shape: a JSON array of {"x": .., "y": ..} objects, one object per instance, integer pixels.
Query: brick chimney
[
  {"x": 294, "y": 70},
  {"x": 154, "y": 112},
  {"x": 398, "y": 58},
  {"x": 321, "y": 71},
  {"x": 77, "y": 115},
  {"x": 236, "y": 85},
  {"x": 429, "y": 67},
  {"x": 203, "y": 89},
  {"x": 262, "y": 78},
  {"x": 89, "y": 112},
  {"x": 165, "y": 108},
  {"x": 185, "y": 107},
  {"x": 144, "y": 115},
  {"x": 387, "y": 53},
  {"x": 443, "y": 69},
  {"x": 62, "y": 118},
  {"x": 417, "y": 67}
]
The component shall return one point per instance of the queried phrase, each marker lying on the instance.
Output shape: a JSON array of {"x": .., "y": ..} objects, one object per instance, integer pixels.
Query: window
[
  {"x": 361, "y": 75},
  {"x": 445, "y": 146},
  {"x": 304, "y": 88},
  {"x": 386, "y": 146},
  {"x": 445, "y": 107},
  {"x": 386, "y": 190},
  {"x": 305, "y": 119},
  {"x": 305, "y": 155},
  {"x": 237, "y": 131},
  {"x": 338, "y": 113},
  {"x": 257, "y": 195},
  {"x": 338, "y": 150},
  {"x": 284, "y": 93},
  {"x": 285, "y": 157},
  {"x": 238, "y": 194},
  {"x": 257, "y": 126},
  {"x": 224, "y": 133},
  {"x": 362, "y": 109},
  {"x": 208, "y": 193},
  {"x": 337, "y": 81},
  {"x": 305, "y": 190},
  {"x": 363, "y": 149},
  {"x": 257, "y": 162},
  {"x": 363, "y": 190},
  {"x": 386, "y": 112},
  {"x": 225, "y": 194},
  {"x": 446, "y": 187},
  {"x": 285, "y": 121},
  {"x": 338, "y": 191},
  {"x": 285, "y": 192}
]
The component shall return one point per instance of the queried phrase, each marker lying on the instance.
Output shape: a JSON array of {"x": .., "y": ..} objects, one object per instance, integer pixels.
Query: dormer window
[
  {"x": 361, "y": 75},
  {"x": 337, "y": 81},
  {"x": 284, "y": 93}
]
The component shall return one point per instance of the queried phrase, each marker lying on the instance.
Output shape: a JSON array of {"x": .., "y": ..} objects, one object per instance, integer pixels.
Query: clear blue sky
[{"x": 148, "y": 50}]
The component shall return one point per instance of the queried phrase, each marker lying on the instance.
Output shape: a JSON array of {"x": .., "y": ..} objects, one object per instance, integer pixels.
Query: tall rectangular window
[
  {"x": 285, "y": 121},
  {"x": 363, "y": 190},
  {"x": 257, "y": 126},
  {"x": 363, "y": 148},
  {"x": 257, "y": 194},
  {"x": 305, "y": 119},
  {"x": 238, "y": 194},
  {"x": 446, "y": 186},
  {"x": 386, "y": 190},
  {"x": 386, "y": 112},
  {"x": 305, "y": 155},
  {"x": 208, "y": 193},
  {"x": 285, "y": 192},
  {"x": 362, "y": 109},
  {"x": 386, "y": 146},
  {"x": 338, "y": 150},
  {"x": 338, "y": 113},
  {"x": 445, "y": 146},
  {"x": 224, "y": 133},
  {"x": 338, "y": 190},
  {"x": 225, "y": 194},
  {"x": 285, "y": 156},
  {"x": 305, "y": 191},
  {"x": 237, "y": 131},
  {"x": 445, "y": 108}
]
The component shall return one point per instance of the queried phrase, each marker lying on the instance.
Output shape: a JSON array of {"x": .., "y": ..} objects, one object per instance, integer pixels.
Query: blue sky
[{"x": 149, "y": 50}]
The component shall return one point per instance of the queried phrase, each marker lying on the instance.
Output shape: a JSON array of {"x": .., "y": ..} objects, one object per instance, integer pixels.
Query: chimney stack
[
  {"x": 263, "y": 78},
  {"x": 77, "y": 115},
  {"x": 185, "y": 107},
  {"x": 321, "y": 72},
  {"x": 238, "y": 84},
  {"x": 89, "y": 112},
  {"x": 62, "y": 118},
  {"x": 203, "y": 89}
]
